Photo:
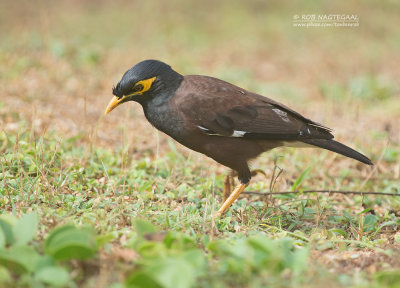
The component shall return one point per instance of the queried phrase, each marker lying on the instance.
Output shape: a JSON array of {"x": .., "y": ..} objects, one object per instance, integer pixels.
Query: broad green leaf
[
  {"x": 2, "y": 239},
  {"x": 141, "y": 280},
  {"x": 150, "y": 249},
  {"x": 173, "y": 273},
  {"x": 54, "y": 276},
  {"x": 101, "y": 240},
  {"x": 25, "y": 229},
  {"x": 143, "y": 227},
  {"x": 5, "y": 276},
  {"x": 6, "y": 223},
  {"x": 179, "y": 241},
  {"x": 120, "y": 285},
  {"x": 369, "y": 222},
  {"x": 388, "y": 278},
  {"x": 70, "y": 242},
  {"x": 19, "y": 259},
  {"x": 57, "y": 231},
  {"x": 45, "y": 261},
  {"x": 196, "y": 259},
  {"x": 261, "y": 244}
]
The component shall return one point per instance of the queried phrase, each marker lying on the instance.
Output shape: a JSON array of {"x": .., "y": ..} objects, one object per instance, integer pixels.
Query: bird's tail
[{"x": 337, "y": 147}]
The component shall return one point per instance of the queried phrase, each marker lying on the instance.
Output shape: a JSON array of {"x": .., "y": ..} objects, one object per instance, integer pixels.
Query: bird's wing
[{"x": 220, "y": 108}]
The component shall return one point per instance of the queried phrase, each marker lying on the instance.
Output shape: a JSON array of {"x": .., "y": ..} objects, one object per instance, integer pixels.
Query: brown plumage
[{"x": 218, "y": 119}]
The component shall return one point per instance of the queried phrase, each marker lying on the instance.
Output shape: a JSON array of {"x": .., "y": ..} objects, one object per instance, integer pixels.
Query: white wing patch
[
  {"x": 203, "y": 128},
  {"x": 237, "y": 133},
  {"x": 208, "y": 131},
  {"x": 281, "y": 114}
]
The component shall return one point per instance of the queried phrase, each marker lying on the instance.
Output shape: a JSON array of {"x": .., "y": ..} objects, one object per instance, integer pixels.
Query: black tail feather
[{"x": 337, "y": 147}]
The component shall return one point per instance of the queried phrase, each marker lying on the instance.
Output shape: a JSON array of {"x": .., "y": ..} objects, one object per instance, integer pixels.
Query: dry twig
[{"x": 320, "y": 191}]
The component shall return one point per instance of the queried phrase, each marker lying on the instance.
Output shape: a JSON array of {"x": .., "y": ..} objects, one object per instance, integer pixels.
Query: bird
[{"x": 220, "y": 120}]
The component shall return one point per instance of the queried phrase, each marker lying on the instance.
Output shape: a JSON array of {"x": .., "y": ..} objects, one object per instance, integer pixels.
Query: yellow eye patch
[{"x": 142, "y": 86}]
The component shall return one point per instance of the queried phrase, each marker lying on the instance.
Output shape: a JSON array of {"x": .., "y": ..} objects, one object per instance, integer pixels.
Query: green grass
[{"x": 160, "y": 212}]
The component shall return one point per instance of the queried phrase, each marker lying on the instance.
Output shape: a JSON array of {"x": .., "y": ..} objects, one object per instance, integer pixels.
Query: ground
[{"x": 149, "y": 201}]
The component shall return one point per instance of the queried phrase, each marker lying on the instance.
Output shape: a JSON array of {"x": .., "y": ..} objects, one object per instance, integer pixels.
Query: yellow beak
[{"x": 115, "y": 101}]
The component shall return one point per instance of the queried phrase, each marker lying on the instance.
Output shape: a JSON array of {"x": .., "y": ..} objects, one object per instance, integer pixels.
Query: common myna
[{"x": 218, "y": 119}]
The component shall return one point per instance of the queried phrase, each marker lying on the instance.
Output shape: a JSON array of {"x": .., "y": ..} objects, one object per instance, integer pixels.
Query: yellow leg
[
  {"x": 228, "y": 202},
  {"x": 229, "y": 183},
  {"x": 227, "y": 187}
]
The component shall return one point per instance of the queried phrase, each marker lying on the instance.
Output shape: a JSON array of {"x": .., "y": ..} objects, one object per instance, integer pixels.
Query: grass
[
  {"x": 94, "y": 201},
  {"x": 150, "y": 216}
]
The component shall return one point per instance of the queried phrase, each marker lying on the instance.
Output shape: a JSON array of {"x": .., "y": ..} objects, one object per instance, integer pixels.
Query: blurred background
[{"x": 60, "y": 59}]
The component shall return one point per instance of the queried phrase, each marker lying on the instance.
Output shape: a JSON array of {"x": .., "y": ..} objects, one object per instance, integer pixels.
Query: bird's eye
[{"x": 137, "y": 88}]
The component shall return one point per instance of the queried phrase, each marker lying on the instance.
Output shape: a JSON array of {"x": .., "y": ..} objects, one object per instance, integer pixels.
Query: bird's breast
[{"x": 165, "y": 118}]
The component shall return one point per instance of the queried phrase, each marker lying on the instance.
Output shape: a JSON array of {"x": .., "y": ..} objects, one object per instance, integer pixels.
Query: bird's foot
[
  {"x": 256, "y": 171},
  {"x": 232, "y": 197},
  {"x": 229, "y": 182}
]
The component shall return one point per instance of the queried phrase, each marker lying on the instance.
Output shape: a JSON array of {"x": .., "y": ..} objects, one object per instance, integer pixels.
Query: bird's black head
[{"x": 144, "y": 80}]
